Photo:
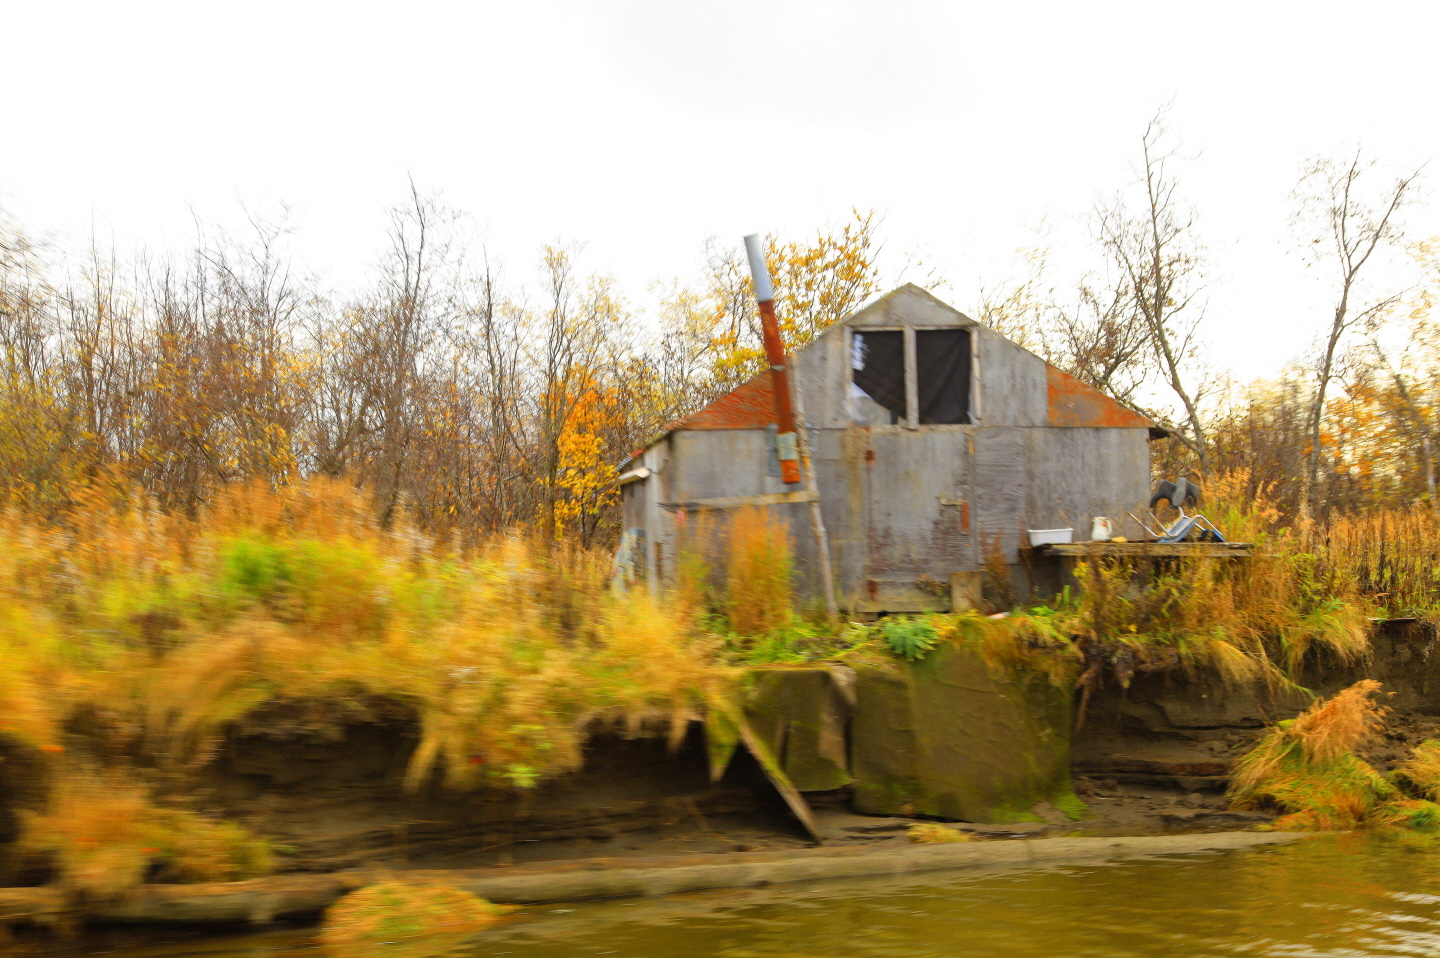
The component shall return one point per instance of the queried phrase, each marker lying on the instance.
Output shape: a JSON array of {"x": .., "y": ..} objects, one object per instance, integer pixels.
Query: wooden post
[{"x": 794, "y": 452}]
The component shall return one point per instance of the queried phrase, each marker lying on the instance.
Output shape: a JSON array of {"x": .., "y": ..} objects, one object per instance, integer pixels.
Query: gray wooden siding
[
  {"x": 1012, "y": 386},
  {"x": 909, "y": 306},
  {"x": 896, "y": 499},
  {"x": 1078, "y": 474}
]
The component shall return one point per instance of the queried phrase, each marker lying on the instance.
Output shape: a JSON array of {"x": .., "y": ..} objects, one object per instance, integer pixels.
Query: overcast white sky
[{"x": 642, "y": 128}]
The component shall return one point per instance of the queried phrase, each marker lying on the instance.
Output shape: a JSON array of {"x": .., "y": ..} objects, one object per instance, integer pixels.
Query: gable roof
[
  {"x": 907, "y": 305},
  {"x": 750, "y": 405},
  {"x": 1070, "y": 403}
]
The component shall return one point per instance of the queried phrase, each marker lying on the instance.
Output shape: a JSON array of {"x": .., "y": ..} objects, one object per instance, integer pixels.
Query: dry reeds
[
  {"x": 101, "y": 834},
  {"x": 176, "y": 626},
  {"x": 759, "y": 593},
  {"x": 1389, "y": 557},
  {"x": 1308, "y": 766}
]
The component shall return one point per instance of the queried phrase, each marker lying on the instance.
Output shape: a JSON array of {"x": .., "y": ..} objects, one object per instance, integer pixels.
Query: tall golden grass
[
  {"x": 1308, "y": 767},
  {"x": 166, "y": 628},
  {"x": 759, "y": 594},
  {"x": 101, "y": 833},
  {"x": 1390, "y": 558},
  {"x": 735, "y": 575}
]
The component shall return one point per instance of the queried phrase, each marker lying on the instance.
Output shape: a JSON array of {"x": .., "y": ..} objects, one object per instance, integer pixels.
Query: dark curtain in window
[
  {"x": 880, "y": 368},
  {"x": 942, "y": 361}
]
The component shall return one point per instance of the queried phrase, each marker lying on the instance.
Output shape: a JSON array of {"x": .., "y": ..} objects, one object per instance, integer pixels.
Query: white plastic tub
[{"x": 1046, "y": 537}]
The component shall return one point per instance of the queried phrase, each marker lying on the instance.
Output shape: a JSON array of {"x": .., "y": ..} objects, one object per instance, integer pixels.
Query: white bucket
[
  {"x": 1100, "y": 530},
  {"x": 1046, "y": 537}
]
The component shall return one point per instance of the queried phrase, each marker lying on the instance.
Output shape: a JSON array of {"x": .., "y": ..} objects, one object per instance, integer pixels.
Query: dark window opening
[
  {"x": 942, "y": 373},
  {"x": 878, "y": 359}
]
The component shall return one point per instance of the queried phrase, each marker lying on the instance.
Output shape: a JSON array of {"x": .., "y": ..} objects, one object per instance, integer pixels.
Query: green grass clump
[
  {"x": 1416, "y": 814},
  {"x": 910, "y": 639},
  {"x": 1420, "y": 774}
]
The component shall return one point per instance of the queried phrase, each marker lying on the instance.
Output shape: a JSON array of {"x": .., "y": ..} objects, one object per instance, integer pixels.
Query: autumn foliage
[{"x": 471, "y": 406}]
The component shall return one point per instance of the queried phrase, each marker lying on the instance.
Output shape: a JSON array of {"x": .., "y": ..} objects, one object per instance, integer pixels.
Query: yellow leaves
[
  {"x": 817, "y": 284},
  {"x": 821, "y": 283},
  {"x": 587, "y": 475}
]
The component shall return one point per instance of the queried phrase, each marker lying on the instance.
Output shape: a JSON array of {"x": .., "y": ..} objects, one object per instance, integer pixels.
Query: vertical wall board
[
  {"x": 909, "y": 306},
  {"x": 841, "y": 478},
  {"x": 916, "y": 477},
  {"x": 822, "y": 379},
  {"x": 667, "y": 546},
  {"x": 804, "y": 547},
  {"x": 1077, "y": 474},
  {"x": 1012, "y": 382},
  {"x": 999, "y": 490},
  {"x": 713, "y": 463}
]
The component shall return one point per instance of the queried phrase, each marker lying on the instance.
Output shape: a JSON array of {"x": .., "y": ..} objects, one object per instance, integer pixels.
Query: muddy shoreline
[{"x": 260, "y": 902}]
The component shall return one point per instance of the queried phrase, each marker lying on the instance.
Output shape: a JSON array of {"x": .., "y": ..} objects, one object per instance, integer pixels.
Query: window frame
[{"x": 912, "y": 380}]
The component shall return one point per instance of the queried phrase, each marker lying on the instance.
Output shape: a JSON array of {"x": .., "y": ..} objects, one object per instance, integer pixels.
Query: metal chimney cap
[{"x": 759, "y": 272}]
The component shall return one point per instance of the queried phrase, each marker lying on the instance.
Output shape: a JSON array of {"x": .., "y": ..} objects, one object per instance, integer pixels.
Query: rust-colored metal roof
[
  {"x": 751, "y": 405},
  {"x": 1073, "y": 403}
]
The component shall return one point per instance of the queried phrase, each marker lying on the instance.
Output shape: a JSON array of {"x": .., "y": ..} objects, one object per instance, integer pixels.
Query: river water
[{"x": 1332, "y": 896}]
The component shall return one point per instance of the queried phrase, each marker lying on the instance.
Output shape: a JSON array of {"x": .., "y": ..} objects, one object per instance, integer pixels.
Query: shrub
[{"x": 910, "y": 638}]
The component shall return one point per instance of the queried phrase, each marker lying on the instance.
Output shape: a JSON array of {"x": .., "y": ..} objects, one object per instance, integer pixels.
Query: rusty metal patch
[
  {"x": 1073, "y": 403},
  {"x": 751, "y": 405}
]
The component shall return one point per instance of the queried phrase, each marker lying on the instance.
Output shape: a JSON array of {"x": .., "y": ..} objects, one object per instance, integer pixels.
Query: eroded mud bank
[{"x": 872, "y": 752}]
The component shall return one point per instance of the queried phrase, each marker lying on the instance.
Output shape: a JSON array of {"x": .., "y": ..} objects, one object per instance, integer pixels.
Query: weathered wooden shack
[{"x": 937, "y": 443}]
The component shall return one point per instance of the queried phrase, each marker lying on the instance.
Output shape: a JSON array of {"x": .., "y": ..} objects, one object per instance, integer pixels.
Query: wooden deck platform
[{"x": 1146, "y": 550}]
